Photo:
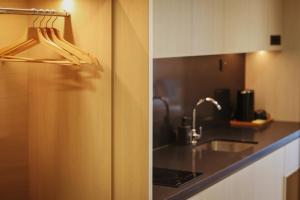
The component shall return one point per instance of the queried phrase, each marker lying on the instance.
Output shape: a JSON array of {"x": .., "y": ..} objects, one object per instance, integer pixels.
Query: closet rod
[{"x": 33, "y": 11}]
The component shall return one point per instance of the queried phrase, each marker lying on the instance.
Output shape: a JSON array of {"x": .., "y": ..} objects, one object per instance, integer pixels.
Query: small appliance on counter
[
  {"x": 184, "y": 132},
  {"x": 246, "y": 115},
  {"x": 245, "y": 105},
  {"x": 261, "y": 114}
]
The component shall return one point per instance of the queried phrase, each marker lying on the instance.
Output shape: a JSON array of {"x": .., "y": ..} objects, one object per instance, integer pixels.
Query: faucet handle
[
  {"x": 200, "y": 132},
  {"x": 196, "y": 136}
]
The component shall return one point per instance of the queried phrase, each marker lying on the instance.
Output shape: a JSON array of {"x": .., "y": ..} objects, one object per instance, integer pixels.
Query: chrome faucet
[{"x": 195, "y": 135}]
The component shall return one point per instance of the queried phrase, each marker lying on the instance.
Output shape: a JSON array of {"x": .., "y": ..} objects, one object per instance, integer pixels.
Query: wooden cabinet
[
  {"x": 264, "y": 179},
  {"x": 206, "y": 27},
  {"x": 292, "y": 186},
  {"x": 258, "y": 37},
  {"x": 261, "y": 180},
  {"x": 241, "y": 189},
  {"x": 130, "y": 142},
  {"x": 216, "y": 192},
  {"x": 235, "y": 26},
  {"x": 292, "y": 158},
  {"x": 268, "y": 174},
  {"x": 172, "y": 28},
  {"x": 274, "y": 21},
  {"x": 291, "y": 170}
]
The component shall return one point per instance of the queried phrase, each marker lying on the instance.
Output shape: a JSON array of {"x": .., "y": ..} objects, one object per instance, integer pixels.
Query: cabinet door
[
  {"x": 199, "y": 196},
  {"x": 207, "y": 27},
  {"x": 235, "y": 26},
  {"x": 239, "y": 186},
  {"x": 292, "y": 186},
  {"x": 275, "y": 20},
  {"x": 292, "y": 158},
  {"x": 172, "y": 28},
  {"x": 219, "y": 191},
  {"x": 262, "y": 180},
  {"x": 268, "y": 174},
  {"x": 257, "y": 25},
  {"x": 242, "y": 185}
]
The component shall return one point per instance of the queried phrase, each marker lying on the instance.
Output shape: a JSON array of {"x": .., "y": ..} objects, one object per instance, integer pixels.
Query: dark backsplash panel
[{"x": 182, "y": 81}]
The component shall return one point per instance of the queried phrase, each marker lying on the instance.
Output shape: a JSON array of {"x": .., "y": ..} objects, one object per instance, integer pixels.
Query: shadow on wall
[
  {"x": 68, "y": 33},
  {"x": 70, "y": 79}
]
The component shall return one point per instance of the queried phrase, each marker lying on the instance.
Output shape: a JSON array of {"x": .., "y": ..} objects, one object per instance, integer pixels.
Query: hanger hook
[
  {"x": 49, "y": 11},
  {"x": 54, "y": 19},
  {"x": 42, "y": 11},
  {"x": 34, "y": 21}
]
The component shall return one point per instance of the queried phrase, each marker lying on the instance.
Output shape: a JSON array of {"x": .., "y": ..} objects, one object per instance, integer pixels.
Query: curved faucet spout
[{"x": 209, "y": 100}]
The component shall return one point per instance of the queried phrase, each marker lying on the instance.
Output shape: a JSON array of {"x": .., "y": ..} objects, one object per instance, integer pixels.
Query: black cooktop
[{"x": 171, "y": 177}]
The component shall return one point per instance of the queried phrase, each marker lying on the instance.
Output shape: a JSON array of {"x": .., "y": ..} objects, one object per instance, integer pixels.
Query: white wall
[{"x": 275, "y": 76}]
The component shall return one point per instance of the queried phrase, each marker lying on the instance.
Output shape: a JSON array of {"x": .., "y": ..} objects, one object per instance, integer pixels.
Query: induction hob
[{"x": 171, "y": 177}]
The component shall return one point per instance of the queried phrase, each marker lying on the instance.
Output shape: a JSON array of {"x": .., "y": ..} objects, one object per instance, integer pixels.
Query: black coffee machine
[{"x": 245, "y": 105}]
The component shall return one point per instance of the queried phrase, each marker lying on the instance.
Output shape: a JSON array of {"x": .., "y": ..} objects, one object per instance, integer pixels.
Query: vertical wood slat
[
  {"x": 130, "y": 100},
  {"x": 70, "y": 111}
]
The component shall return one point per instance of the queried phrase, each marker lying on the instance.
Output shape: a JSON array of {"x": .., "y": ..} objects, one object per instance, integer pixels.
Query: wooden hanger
[
  {"x": 25, "y": 40},
  {"x": 36, "y": 60},
  {"x": 13, "y": 47},
  {"x": 52, "y": 39},
  {"x": 55, "y": 36},
  {"x": 58, "y": 39},
  {"x": 35, "y": 36},
  {"x": 64, "y": 45}
]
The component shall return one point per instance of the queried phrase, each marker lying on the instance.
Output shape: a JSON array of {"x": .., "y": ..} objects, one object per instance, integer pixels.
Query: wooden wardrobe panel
[
  {"x": 68, "y": 114},
  {"x": 70, "y": 111},
  {"x": 130, "y": 100},
  {"x": 13, "y": 111}
]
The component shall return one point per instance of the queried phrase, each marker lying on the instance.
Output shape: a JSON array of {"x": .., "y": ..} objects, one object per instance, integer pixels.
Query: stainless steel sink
[{"x": 227, "y": 145}]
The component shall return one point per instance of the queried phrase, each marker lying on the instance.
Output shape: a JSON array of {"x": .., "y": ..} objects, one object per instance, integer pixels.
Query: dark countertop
[{"x": 218, "y": 165}]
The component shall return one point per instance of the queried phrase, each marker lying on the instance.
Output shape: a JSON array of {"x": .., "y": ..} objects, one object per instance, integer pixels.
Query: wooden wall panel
[
  {"x": 70, "y": 111},
  {"x": 293, "y": 186},
  {"x": 130, "y": 100},
  {"x": 13, "y": 112},
  {"x": 275, "y": 75},
  {"x": 61, "y": 119}
]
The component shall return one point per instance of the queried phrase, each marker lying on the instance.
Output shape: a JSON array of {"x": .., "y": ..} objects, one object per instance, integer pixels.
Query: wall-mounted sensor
[{"x": 275, "y": 40}]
